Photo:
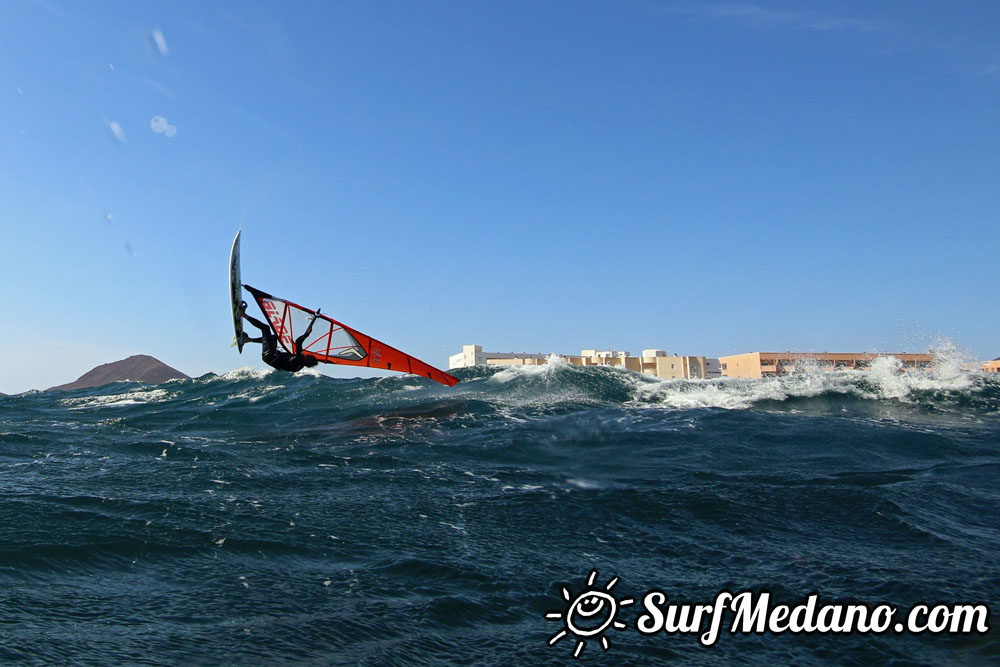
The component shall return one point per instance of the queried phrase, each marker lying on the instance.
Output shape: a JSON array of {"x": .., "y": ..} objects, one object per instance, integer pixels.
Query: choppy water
[{"x": 267, "y": 518}]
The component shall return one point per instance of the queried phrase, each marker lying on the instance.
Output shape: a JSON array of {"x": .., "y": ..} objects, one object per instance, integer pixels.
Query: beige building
[
  {"x": 767, "y": 364},
  {"x": 652, "y": 362},
  {"x": 992, "y": 366}
]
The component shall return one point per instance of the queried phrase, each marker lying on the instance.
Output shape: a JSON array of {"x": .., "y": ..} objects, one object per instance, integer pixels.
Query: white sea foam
[
  {"x": 583, "y": 484},
  {"x": 484, "y": 477},
  {"x": 460, "y": 529},
  {"x": 244, "y": 373},
  {"x": 254, "y": 394},
  {"x": 137, "y": 397},
  {"x": 518, "y": 386},
  {"x": 892, "y": 383},
  {"x": 885, "y": 380},
  {"x": 509, "y": 373}
]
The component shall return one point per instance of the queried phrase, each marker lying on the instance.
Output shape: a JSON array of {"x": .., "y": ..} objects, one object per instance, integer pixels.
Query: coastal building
[
  {"x": 652, "y": 362},
  {"x": 992, "y": 366},
  {"x": 768, "y": 364},
  {"x": 473, "y": 355}
]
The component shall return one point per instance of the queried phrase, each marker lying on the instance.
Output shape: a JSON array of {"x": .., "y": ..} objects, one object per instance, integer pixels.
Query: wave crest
[{"x": 944, "y": 386}]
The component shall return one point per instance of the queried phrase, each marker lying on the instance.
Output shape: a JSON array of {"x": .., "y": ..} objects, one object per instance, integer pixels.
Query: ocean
[{"x": 265, "y": 518}]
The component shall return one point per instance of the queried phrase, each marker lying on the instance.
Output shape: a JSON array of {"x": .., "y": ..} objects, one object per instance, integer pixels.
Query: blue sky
[{"x": 707, "y": 178}]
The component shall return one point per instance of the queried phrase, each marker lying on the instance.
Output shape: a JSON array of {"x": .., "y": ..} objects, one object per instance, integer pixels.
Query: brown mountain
[{"x": 137, "y": 368}]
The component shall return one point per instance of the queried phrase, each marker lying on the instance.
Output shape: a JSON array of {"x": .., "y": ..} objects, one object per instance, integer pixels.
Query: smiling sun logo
[{"x": 589, "y": 614}]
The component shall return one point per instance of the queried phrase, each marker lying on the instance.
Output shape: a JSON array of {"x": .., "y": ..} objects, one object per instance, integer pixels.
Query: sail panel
[{"x": 327, "y": 338}]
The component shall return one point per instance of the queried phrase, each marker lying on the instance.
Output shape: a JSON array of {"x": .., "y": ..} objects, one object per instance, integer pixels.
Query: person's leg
[
  {"x": 257, "y": 323},
  {"x": 269, "y": 344},
  {"x": 264, "y": 329},
  {"x": 260, "y": 325}
]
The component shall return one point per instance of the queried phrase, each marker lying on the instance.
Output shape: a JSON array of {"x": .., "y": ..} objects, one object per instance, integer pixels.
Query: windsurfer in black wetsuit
[{"x": 271, "y": 355}]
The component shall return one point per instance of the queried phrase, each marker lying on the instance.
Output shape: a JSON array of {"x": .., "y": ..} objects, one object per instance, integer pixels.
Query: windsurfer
[{"x": 270, "y": 354}]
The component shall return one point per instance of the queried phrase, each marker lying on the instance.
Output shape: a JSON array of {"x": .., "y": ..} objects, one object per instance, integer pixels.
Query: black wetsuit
[{"x": 272, "y": 355}]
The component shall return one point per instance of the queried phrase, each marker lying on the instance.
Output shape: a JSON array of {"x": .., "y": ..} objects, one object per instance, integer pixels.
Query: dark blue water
[{"x": 268, "y": 518}]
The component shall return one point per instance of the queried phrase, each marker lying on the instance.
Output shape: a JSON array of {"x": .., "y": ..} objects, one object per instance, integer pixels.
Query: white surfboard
[{"x": 236, "y": 289}]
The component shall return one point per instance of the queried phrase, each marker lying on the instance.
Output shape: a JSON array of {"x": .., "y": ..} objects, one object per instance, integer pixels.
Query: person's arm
[{"x": 305, "y": 334}]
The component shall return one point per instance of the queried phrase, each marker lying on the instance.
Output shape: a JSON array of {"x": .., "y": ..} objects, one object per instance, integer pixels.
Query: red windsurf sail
[{"x": 333, "y": 342}]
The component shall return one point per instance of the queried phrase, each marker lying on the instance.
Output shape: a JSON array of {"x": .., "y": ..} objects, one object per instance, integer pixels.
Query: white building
[{"x": 473, "y": 355}]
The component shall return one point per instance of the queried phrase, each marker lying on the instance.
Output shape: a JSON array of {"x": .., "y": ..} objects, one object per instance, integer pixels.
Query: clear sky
[{"x": 703, "y": 177}]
